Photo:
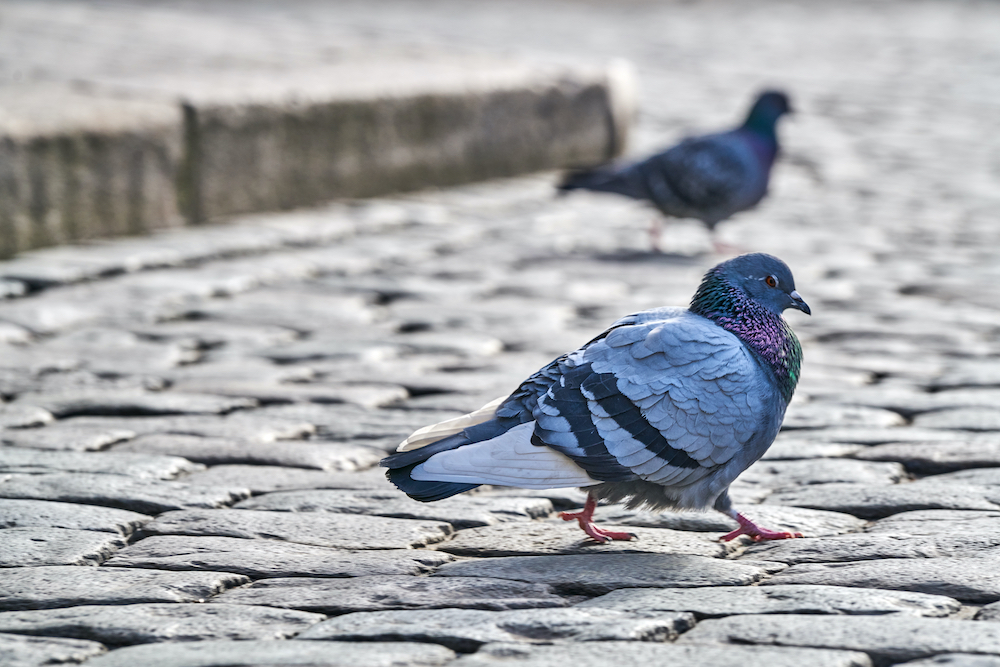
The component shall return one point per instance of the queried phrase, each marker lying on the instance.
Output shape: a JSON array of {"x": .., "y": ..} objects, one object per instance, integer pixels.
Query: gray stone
[
  {"x": 365, "y": 395},
  {"x": 975, "y": 477},
  {"x": 873, "y": 436},
  {"x": 459, "y": 511},
  {"x": 103, "y": 350},
  {"x": 966, "y": 579},
  {"x": 321, "y": 455},
  {"x": 890, "y": 640},
  {"x": 16, "y": 513},
  {"x": 559, "y": 537},
  {"x": 148, "y": 496},
  {"x": 142, "y": 466},
  {"x": 258, "y": 425},
  {"x": 873, "y": 502},
  {"x": 68, "y": 435},
  {"x": 791, "y": 448},
  {"x": 824, "y": 415},
  {"x": 23, "y": 416},
  {"x": 814, "y": 523},
  {"x": 271, "y": 558},
  {"x": 37, "y": 545},
  {"x": 21, "y": 651},
  {"x": 650, "y": 653},
  {"x": 966, "y": 419},
  {"x": 938, "y": 522},
  {"x": 990, "y": 612},
  {"x": 338, "y": 531},
  {"x": 857, "y": 547},
  {"x": 936, "y": 457},
  {"x": 465, "y": 630},
  {"x": 911, "y": 403},
  {"x": 978, "y": 373},
  {"x": 265, "y": 479},
  {"x": 597, "y": 573},
  {"x": 383, "y": 593},
  {"x": 278, "y": 654},
  {"x": 379, "y": 428},
  {"x": 956, "y": 660},
  {"x": 730, "y": 600},
  {"x": 66, "y": 586},
  {"x": 129, "y": 403},
  {"x": 124, "y": 625},
  {"x": 783, "y": 474}
]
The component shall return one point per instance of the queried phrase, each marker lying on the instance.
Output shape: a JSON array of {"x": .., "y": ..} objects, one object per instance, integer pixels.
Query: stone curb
[{"x": 119, "y": 157}]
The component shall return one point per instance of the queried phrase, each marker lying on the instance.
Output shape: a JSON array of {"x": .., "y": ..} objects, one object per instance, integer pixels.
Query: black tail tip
[{"x": 424, "y": 491}]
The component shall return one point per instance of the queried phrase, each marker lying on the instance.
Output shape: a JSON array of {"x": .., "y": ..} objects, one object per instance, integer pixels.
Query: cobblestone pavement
[{"x": 192, "y": 421}]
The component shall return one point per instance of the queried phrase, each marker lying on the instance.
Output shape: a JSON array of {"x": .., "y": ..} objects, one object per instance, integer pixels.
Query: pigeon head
[
  {"x": 746, "y": 296},
  {"x": 765, "y": 112},
  {"x": 765, "y": 279}
]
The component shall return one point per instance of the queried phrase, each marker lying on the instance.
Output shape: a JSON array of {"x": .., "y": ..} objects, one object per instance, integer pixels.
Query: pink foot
[
  {"x": 755, "y": 532},
  {"x": 586, "y": 519}
]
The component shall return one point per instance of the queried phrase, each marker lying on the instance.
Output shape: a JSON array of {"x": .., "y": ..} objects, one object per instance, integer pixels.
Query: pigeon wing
[
  {"x": 666, "y": 399},
  {"x": 702, "y": 177}
]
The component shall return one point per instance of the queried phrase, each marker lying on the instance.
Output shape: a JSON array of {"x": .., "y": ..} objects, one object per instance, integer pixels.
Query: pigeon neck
[{"x": 765, "y": 334}]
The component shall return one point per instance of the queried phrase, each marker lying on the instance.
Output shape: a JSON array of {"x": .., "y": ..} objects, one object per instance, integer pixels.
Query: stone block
[
  {"x": 36, "y": 545},
  {"x": 67, "y": 586},
  {"x": 891, "y": 640},
  {"x": 19, "y": 513},
  {"x": 128, "y": 624},
  {"x": 720, "y": 601},
  {"x": 380, "y": 593},
  {"x": 460, "y": 511},
  {"x": 147, "y": 496},
  {"x": 272, "y": 558},
  {"x": 364, "y": 128},
  {"x": 966, "y": 579},
  {"x": 558, "y": 537},
  {"x": 597, "y": 573},
  {"x": 142, "y": 466},
  {"x": 21, "y": 651},
  {"x": 79, "y": 164},
  {"x": 465, "y": 630},
  {"x": 338, "y": 531},
  {"x": 649, "y": 653}
]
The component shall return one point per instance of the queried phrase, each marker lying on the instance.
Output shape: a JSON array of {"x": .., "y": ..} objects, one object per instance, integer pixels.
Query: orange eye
[{"x": 771, "y": 281}]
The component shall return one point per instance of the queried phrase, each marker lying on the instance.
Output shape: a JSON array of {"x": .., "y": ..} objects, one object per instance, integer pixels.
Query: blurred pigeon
[
  {"x": 708, "y": 178},
  {"x": 664, "y": 409}
]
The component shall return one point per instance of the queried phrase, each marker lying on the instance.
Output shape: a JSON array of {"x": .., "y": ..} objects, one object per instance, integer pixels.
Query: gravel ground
[{"x": 197, "y": 416}]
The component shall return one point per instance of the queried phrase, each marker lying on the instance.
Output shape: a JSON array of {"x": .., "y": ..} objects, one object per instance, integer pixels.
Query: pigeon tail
[
  {"x": 605, "y": 179},
  {"x": 424, "y": 491}
]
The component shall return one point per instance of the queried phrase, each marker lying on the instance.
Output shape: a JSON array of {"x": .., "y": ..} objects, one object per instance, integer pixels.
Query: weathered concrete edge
[{"x": 127, "y": 165}]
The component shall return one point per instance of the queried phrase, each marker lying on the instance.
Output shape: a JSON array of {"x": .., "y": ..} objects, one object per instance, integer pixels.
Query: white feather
[
  {"x": 431, "y": 434},
  {"x": 506, "y": 460}
]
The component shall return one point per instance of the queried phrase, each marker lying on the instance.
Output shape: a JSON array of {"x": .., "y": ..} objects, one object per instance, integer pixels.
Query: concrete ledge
[{"x": 117, "y": 157}]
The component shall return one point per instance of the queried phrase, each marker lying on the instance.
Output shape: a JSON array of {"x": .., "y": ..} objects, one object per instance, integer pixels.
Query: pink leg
[
  {"x": 586, "y": 519},
  {"x": 758, "y": 534},
  {"x": 655, "y": 232}
]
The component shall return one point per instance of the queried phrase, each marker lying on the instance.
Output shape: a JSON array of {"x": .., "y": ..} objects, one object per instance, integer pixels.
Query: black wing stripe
[{"x": 628, "y": 416}]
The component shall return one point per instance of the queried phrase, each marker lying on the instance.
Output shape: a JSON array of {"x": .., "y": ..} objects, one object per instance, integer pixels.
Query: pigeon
[
  {"x": 664, "y": 409},
  {"x": 709, "y": 178}
]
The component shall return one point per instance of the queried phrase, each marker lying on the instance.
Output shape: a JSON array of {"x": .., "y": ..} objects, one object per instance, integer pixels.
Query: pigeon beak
[{"x": 799, "y": 303}]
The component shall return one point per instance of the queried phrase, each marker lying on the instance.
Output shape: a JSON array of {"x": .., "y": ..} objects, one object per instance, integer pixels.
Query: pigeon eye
[{"x": 771, "y": 281}]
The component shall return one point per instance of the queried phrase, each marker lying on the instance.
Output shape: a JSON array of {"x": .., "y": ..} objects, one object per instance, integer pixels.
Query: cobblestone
[{"x": 196, "y": 416}]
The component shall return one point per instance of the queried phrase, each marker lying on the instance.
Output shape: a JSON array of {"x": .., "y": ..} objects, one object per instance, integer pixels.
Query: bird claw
[
  {"x": 585, "y": 517},
  {"x": 755, "y": 532}
]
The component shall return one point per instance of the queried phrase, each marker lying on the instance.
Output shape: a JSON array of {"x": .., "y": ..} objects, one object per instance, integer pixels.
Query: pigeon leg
[
  {"x": 586, "y": 519},
  {"x": 755, "y": 532},
  {"x": 655, "y": 233}
]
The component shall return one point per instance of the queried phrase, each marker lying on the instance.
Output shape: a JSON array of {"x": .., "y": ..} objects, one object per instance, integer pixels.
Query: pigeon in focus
[
  {"x": 664, "y": 409},
  {"x": 709, "y": 178}
]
